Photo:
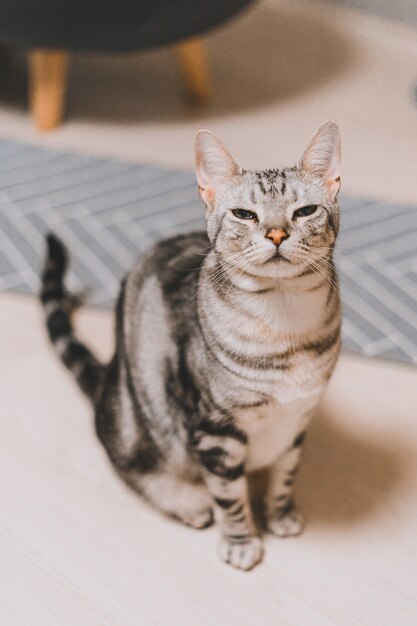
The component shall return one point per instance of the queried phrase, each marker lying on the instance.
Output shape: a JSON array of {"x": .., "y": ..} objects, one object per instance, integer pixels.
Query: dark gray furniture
[{"x": 50, "y": 29}]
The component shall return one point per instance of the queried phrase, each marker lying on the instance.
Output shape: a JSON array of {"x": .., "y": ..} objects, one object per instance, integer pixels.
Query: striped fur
[
  {"x": 59, "y": 305},
  {"x": 224, "y": 346}
]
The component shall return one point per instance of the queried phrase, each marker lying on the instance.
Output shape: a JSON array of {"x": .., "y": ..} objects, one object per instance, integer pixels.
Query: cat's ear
[
  {"x": 322, "y": 157},
  {"x": 214, "y": 165}
]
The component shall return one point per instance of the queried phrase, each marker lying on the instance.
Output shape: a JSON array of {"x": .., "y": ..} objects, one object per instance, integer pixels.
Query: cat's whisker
[
  {"x": 326, "y": 264},
  {"x": 323, "y": 273},
  {"x": 309, "y": 253},
  {"x": 245, "y": 256},
  {"x": 233, "y": 262},
  {"x": 314, "y": 264},
  {"x": 238, "y": 265}
]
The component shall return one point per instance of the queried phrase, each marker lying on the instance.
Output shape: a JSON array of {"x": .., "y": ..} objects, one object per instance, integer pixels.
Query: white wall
[{"x": 405, "y": 10}]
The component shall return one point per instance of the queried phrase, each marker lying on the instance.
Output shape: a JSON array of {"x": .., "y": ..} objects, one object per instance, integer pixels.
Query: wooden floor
[{"x": 78, "y": 549}]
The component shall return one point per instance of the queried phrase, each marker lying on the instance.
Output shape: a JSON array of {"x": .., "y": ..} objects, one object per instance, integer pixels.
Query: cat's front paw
[
  {"x": 286, "y": 522},
  {"x": 242, "y": 552}
]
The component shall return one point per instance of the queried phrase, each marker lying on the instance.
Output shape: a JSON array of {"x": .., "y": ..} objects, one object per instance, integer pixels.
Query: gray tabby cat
[{"x": 224, "y": 345}]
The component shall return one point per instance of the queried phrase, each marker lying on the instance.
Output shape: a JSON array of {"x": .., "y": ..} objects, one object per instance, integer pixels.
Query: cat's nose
[{"x": 277, "y": 235}]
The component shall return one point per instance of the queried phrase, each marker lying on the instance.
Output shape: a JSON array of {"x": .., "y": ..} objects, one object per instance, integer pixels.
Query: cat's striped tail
[{"x": 59, "y": 305}]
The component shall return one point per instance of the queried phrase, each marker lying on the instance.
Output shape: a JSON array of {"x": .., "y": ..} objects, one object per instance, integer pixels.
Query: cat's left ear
[
  {"x": 214, "y": 165},
  {"x": 322, "y": 157}
]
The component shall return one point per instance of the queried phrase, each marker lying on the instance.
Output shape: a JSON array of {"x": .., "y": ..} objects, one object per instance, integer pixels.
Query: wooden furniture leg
[
  {"x": 193, "y": 66},
  {"x": 47, "y": 88}
]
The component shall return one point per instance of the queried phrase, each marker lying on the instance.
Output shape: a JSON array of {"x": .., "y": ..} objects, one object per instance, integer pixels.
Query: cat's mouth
[{"x": 278, "y": 257}]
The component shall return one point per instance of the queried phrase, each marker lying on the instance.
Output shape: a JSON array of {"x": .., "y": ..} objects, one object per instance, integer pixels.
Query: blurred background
[
  {"x": 99, "y": 104},
  {"x": 271, "y": 72}
]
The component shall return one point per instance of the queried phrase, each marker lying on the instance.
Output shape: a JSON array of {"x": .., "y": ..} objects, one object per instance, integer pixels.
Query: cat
[{"x": 225, "y": 342}]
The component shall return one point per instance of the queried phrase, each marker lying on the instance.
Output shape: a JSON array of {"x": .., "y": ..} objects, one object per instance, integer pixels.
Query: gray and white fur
[{"x": 225, "y": 342}]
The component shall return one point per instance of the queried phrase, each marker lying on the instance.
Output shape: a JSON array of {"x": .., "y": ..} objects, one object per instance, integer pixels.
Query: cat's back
[
  {"x": 159, "y": 303},
  {"x": 173, "y": 264}
]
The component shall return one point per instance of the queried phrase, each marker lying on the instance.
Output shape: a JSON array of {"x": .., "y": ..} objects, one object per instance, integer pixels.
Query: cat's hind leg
[
  {"x": 187, "y": 501},
  {"x": 141, "y": 465}
]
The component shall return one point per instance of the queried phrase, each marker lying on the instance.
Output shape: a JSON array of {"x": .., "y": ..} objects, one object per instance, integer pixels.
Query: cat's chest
[{"x": 272, "y": 428}]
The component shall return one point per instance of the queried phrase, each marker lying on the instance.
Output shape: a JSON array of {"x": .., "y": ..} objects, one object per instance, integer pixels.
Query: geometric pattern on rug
[{"x": 109, "y": 212}]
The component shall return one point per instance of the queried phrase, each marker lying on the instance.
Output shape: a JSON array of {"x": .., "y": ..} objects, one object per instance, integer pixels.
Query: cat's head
[{"x": 271, "y": 222}]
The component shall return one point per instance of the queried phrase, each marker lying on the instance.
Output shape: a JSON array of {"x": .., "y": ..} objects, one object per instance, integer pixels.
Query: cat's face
[{"x": 272, "y": 223}]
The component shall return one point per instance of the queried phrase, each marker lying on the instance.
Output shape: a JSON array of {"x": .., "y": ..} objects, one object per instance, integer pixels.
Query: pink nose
[{"x": 277, "y": 235}]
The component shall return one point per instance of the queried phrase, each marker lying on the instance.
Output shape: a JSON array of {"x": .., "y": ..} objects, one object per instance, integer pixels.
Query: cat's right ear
[
  {"x": 214, "y": 165},
  {"x": 322, "y": 157}
]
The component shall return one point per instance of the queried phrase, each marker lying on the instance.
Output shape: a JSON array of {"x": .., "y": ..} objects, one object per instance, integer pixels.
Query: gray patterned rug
[{"x": 108, "y": 212}]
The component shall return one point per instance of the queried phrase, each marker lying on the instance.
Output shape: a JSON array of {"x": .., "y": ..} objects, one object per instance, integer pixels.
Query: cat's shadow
[{"x": 345, "y": 478}]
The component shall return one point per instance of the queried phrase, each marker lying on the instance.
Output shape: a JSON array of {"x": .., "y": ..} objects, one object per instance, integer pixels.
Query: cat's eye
[
  {"x": 305, "y": 211},
  {"x": 244, "y": 214}
]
